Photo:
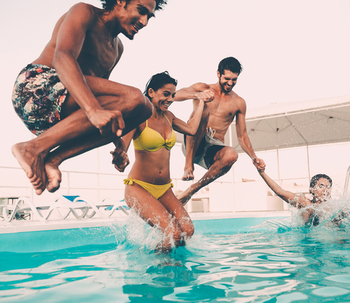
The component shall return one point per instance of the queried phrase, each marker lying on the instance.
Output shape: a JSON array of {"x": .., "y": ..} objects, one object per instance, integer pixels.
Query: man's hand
[
  {"x": 120, "y": 158},
  {"x": 259, "y": 164},
  {"x": 108, "y": 121},
  {"x": 207, "y": 96}
]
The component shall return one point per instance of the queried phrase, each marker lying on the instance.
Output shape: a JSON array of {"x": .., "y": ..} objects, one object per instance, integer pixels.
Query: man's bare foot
[
  {"x": 32, "y": 164},
  {"x": 188, "y": 174},
  {"x": 54, "y": 177}
]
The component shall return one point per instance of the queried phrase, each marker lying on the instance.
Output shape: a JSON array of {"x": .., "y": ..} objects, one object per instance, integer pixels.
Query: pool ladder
[{"x": 346, "y": 184}]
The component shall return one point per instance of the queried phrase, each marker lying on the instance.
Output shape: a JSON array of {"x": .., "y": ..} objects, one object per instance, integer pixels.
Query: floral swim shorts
[{"x": 37, "y": 97}]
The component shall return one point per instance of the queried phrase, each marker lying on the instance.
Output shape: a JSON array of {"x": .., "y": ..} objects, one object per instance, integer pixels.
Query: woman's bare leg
[
  {"x": 155, "y": 214},
  {"x": 176, "y": 209}
]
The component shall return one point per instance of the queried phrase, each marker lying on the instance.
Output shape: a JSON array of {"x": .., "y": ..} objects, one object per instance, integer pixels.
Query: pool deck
[{"x": 36, "y": 225}]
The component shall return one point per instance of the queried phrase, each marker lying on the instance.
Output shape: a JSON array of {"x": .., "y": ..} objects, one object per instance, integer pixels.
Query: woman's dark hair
[
  {"x": 231, "y": 64},
  {"x": 157, "y": 81},
  {"x": 110, "y": 4},
  {"x": 315, "y": 178}
]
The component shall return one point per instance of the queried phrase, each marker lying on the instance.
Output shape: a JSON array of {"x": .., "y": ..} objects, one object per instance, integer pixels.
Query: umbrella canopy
[{"x": 292, "y": 124}]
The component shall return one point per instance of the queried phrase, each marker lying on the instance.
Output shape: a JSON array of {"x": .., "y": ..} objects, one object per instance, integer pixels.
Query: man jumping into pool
[
  {"x": 207, "y": 148},
  {"x": 65, "y": 97}
]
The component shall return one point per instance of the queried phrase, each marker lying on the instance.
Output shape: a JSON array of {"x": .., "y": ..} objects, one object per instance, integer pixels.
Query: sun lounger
[
  {"x": 104, "y": 209},
  {"x": 71, "y": 204},
  {"x": 117, "y": 205},
  {"x": 89, "y": 209},
  {"x": 13, "y": 208},
  {"x": 23, "y": 205},
  {"x": 62, "y": 206}
]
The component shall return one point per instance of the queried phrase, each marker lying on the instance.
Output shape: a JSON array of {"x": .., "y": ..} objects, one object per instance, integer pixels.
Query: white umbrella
[{"x": 284, "y": 125}]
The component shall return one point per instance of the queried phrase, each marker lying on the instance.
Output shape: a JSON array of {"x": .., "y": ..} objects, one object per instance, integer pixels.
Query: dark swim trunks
[
  {"x": 37, "y": 97},
  {"x": 207, "y": 149}
]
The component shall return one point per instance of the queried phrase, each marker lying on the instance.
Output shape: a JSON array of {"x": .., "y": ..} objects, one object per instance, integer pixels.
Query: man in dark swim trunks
[
  {"x": 206, "y": 147},
  {"x": 65, "y": 97}
]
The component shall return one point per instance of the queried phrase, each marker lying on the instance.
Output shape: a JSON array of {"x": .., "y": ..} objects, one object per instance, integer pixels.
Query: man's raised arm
[
  {"x": 242, "y": 135},
  {"x": 195, "y": 92}
]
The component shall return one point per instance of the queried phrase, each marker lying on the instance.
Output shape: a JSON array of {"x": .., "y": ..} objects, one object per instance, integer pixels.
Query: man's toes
[
  {"x": 53, "y": 186},
  {"x": 37, "y": 183},
  {"x": 30, "y": 175},
  {"x": 52, "y": 189},
  {"x": 187, "y": 178},
  {"x": 39, "y": 191}
]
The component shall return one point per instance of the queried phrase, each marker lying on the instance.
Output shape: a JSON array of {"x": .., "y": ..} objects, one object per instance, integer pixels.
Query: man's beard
[{"x": 225, "y": 90}]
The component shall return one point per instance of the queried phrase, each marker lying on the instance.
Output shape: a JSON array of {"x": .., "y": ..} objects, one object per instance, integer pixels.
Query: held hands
[
  {"x": 259, "y": 164},
  {"x": 120, "y": 158},
  {"x": 108, "y": 121},
  {"x": 207, "y": 96}
]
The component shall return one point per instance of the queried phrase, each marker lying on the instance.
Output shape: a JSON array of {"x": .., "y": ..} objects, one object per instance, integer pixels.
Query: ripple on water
[
  {"x": 330, "y": 291},
  {"x": 276, "y": 260}
]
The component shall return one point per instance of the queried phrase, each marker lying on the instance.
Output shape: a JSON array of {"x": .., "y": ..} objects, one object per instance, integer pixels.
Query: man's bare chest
[
  {"x": 99, "y": 53},
  {"x": 225, "y": 110}
]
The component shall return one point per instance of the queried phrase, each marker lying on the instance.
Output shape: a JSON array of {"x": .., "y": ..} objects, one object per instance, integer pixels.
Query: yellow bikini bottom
[{"x": 155, "y": 190}]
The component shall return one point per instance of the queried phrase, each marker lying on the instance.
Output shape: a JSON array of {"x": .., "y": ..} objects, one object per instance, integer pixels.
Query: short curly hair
[{"x": 109, "y": 4}]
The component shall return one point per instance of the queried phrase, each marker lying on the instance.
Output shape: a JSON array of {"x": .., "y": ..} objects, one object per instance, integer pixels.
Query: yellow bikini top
[{"x": 151, "y": 140}]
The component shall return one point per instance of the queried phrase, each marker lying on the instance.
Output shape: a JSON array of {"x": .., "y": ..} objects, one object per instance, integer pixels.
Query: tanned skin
[
  {"x": 218, "y": 114},
  {"x": 84, "y": 49}
]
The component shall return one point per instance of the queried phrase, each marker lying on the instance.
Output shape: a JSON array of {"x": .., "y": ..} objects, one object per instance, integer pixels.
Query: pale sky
[{"x": 290, "y": 50}]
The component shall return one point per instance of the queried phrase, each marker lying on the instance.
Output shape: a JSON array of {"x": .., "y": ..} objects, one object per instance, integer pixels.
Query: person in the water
[{"x": 320, "y": 189}]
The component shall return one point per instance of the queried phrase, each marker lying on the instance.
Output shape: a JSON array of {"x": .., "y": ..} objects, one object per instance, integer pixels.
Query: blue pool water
[{"x": 228, "y": 260}]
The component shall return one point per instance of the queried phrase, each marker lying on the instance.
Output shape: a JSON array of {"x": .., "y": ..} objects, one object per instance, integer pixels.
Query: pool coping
[{"x": 36, "y": 225}]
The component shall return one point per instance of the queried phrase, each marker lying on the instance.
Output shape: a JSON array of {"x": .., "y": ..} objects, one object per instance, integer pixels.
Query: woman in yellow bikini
[{"x": 148, "y": 188}]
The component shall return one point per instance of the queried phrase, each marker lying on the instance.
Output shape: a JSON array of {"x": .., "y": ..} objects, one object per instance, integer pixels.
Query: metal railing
[
  {"x": 346, "y": 184},
  {"x": 13, "y": 182}
]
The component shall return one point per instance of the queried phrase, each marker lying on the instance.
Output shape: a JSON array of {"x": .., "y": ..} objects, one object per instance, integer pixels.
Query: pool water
[{"x": 272, "y": 261}]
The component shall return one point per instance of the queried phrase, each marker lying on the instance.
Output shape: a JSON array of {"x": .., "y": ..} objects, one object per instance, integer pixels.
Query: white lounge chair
[
  {"x": 104, "y": 209},
  {"x": 24, "y": 205},
  {"x": 14, "y": 210},
  {"x": 71, "y": 204},
  {"x": 62, "y": 206},
  {"x": 116, "y": 205}
]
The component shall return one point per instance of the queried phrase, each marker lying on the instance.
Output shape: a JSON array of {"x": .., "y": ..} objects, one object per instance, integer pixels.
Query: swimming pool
[{"x": 228, "y": 260}]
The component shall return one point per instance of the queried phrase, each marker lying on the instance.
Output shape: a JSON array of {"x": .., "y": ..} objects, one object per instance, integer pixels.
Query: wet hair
[
  {"x": 315, "y": 178},
  {"x": 231, "y": 64},
  {"x": 110, "y": 4},
  {"x": 313, "y": 182},
  {"x": 157, "y": 81}
]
